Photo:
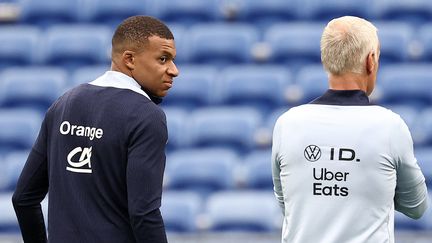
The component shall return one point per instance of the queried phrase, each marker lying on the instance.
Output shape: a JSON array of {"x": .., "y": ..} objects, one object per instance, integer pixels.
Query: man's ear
[
  {"x": 370, "y": 62},
  {"x": 128, "y": 58}
]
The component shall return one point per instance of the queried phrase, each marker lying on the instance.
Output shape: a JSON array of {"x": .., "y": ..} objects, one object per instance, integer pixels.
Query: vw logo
[{"x": 312, "y": 153}]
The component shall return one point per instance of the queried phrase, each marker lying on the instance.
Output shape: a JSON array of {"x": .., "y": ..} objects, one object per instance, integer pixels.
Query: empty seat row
[
  {"x": 254, "y": 211},
  {"x": 238, "y": 127},
  {"x": 48, "y": 11},
  {"x": 265, "y": 87},
  {"x": 77, "y": 45},
  {"x": 225, "y": 211},
  {"x": 67, "y": 46},
  {"x": 206, "y": 171}
]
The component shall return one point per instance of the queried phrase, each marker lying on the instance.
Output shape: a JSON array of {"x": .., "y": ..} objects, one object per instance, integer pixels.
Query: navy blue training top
[{"x": 100, "y": 155}]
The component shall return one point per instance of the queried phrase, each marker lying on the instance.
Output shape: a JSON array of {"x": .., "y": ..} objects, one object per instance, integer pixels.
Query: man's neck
[{"x": 348, "y": 81}]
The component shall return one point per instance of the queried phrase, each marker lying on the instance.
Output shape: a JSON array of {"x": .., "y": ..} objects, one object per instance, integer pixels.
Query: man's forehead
[{"x": 161, "y": 43}]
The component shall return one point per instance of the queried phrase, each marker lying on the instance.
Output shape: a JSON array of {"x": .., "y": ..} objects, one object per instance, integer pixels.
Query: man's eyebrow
[{"x": 167, "y": 53}]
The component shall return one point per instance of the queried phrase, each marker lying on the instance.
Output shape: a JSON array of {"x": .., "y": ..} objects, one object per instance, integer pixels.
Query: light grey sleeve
[
  {"x": 411, "y": 192},
  {"x": 275, "y": 160}
]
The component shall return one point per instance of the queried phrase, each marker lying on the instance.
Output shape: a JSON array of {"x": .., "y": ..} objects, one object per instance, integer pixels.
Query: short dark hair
[{"x": 134, "y": 32}]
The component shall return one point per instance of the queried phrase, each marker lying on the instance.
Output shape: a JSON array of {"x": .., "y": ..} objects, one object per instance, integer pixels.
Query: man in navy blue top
[{"x": 100, "y": 153}]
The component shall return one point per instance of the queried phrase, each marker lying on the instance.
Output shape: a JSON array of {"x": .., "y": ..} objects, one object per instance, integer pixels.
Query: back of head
[
  {"x": 133, "y": 33},
  {"x": 345, "y": 44}
]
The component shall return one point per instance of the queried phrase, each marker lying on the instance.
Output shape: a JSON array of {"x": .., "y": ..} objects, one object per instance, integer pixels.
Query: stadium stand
[
  {"x": 19, "y": 45},
  {"x": 187, "y": 12},
  {"x": 221, "y": 44},
  {"x": 425, "y": 38},
  {"x": 232, "y": 127},
  {"x": 31, "y": 87},
  {"x": 294, "y": 43},
  {"x": 201, "y": 170},
  {"x": 260, "y": 13},
  {"x": 48, "y": 12},
  {"x": 396, "y": 39},
  {"x": 413, "y": 11},
  {"x": 327, "y": 10},
  {"x": 181, "y": 211},
  {"x": 73, "y": 46},
  {"x": 262, "y": 87},
  {"x": 424, "y": 158},
  {"x": 422, "y": 128},
  {"x": 258, "y": 170},
  {"x": 406, "y": 83},
  {"x": 259, "y": 211},
  {"x": 18, "y": 129},
  {"x": 111, "y": 12},
  {"x": 8, "y": 221}
]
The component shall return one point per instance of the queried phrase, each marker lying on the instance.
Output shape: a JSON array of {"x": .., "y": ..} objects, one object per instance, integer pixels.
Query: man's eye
[{"x": 163, "y": 59}]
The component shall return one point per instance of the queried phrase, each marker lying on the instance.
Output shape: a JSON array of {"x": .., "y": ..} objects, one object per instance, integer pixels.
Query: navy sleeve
[
  {"x": 145, "y": 168},
  {"x": 31, "y": 189}
]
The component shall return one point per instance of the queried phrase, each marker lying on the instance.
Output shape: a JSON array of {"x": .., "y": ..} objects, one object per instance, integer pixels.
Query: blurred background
[{"x": 242, "y": 64}]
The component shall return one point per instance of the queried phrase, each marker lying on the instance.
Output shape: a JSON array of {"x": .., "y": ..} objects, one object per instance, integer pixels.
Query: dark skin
[{"x": 152, "y": 66}]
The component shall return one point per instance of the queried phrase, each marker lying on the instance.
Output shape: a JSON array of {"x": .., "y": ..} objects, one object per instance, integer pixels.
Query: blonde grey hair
[{"x": 345, "y": 44}]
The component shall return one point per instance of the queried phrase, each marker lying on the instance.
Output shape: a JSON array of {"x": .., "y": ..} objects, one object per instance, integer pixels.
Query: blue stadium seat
[
  {"x": 395, "y": 41},
  {"x": 295, "y": 43},
  {"x": 8, "y": 220},
  {"x": 73, "y": 46},
  {"x": 425, "y": 38},
  {"x": 413, "y": 11},
  {"x": 403, "y": 222},
  {"x": 180, "y": 211},
  {"x": 427, "y": 218},
  {"x": 249, "y": 211},
  {"x": 187, "y": 12},
  {"x": 18, "y": 45},
  {"x": 262, "y": 13},
  {"x": 422, "y": 130},
  {"x": 406, "y": 83},
  {"x": 194, "y": 87},
  {"x": 18, "y": 129},
  {"x": 176, "y": 119},
  {"x": 330, "y": 9},
  {"x": 312, "y": 81},
  {"x": 224, "y": 126},
  {"x": 112, "y": 12},
  {"x": 32, "y": 87},
  {"x": 262, "y": 87},
  {"x": 47, "y": 12},
  {"x": 12, "y": 165},
  {"x": 221, "y": 43},
  {"x": 424, "y": 159},
  {"x": 258, "y": 170},
  {"x": 201, "y": 170},
  {"x": 87, "y": 74}
]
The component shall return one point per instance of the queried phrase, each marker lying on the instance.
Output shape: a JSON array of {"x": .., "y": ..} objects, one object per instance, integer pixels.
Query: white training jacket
[{"x": 340, "y": 168}]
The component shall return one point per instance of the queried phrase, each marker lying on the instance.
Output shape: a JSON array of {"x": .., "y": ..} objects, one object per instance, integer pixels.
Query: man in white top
[{"x": 341, "y": 166}]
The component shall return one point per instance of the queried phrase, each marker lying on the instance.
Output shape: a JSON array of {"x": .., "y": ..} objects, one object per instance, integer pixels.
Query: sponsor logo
[
  {"x": 83, "y": 165},
  {"x": 312, "y": 153}
]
